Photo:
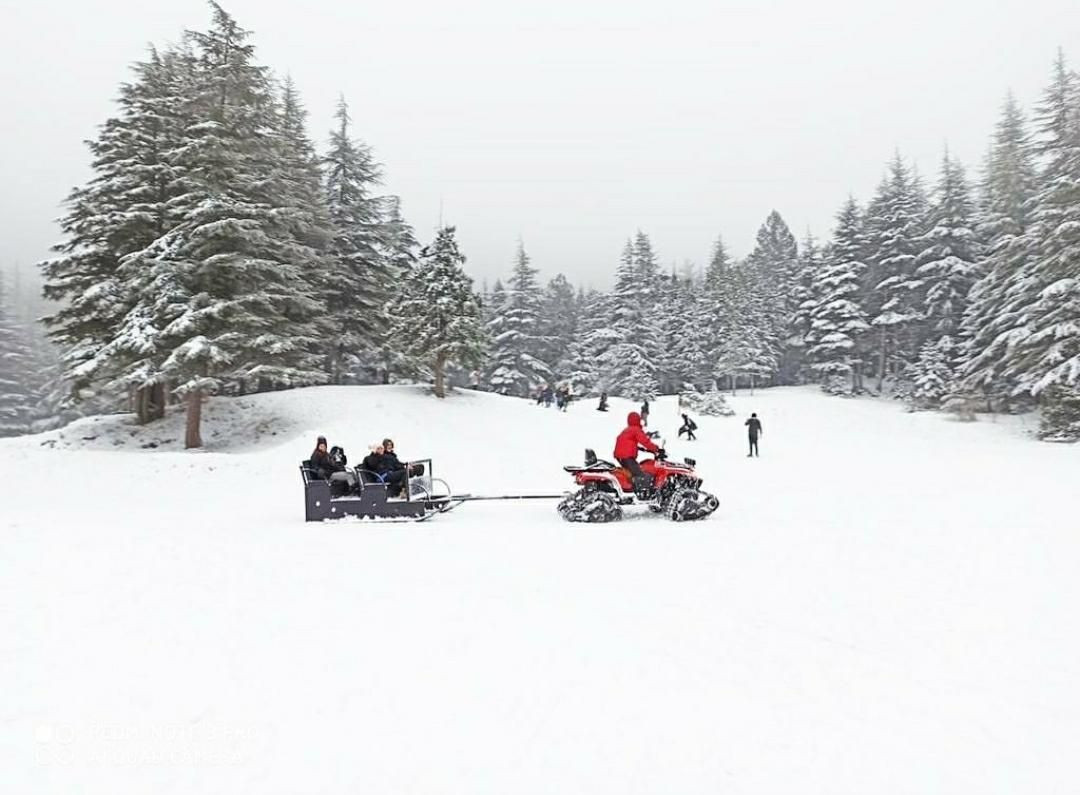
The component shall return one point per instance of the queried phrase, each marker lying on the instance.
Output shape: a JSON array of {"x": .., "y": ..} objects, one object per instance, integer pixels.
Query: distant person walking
[
  {"x": 753, "y": 426},
  {"x": 603, "y": 402},
  {"x": 645, "y": 413},
  {"x": 688, "y": 427}
]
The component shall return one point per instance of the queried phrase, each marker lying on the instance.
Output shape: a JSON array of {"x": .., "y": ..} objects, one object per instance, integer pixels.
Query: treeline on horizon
[{"x": 217, "y": 251}]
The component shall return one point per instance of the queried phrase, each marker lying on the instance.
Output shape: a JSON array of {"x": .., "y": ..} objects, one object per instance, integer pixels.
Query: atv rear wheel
[{"x": 590, "y": 505}]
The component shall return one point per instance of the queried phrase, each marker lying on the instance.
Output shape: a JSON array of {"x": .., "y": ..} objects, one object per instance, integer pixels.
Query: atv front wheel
[{"x": 687, "y": 505}]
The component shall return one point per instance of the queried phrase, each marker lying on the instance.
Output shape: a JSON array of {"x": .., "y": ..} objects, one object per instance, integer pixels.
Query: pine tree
[
  {"x": 437, "y": 316},
  {"x": 17, "y": 399},
  {"x": 516, "y": 363},
  {"x": 358, "y": 281},
  {"x": 591, "y": 347},
  {"x": 716, "y": 274},
  {"x": 933, "y": 373},
  {"x": 559, "y": 322},
  {"x": 226, "y": 289},
  {"x": 397, "y": 247},
  {"x": 1008, "y": 186},
  {"x": 128, "y": 204},
  {"x": 806, "y": 294},
  {"x": 1044, "y": 347},
  {"x": 891, "y": 291},
  {"x": 774, "y": 265},
  {"x": 947, "y": 266},
  {"x": 837, "y": 322},
  {"x": 628, "y": 365}
]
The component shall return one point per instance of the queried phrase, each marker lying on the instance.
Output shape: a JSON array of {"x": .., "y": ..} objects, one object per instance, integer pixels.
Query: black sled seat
[{"x": 371, "y": 502}]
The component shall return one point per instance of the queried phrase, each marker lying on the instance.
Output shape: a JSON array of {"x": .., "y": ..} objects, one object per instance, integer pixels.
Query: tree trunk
[
  {"x": 883, "y": 362},
  {"x": 193, "y": 435},
  {"x": 440, "y": 375},
  {"x": 159, "y": 397}
]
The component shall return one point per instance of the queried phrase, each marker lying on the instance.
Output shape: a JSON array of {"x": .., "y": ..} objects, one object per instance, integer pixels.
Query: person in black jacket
[
  {"x": 753, "y": 426},
  {"x": 644, "y": 413},
  {"x": 374, "y": 464},
  {"x": 688, "y": 427},
  {"x": 398, "y": 472},
  {"x": 320, "y": 460},
  {"x": 603, "y": 402},
  {"x": 332, "y": 466}
]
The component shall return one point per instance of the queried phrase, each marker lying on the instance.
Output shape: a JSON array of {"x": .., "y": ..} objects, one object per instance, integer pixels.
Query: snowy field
[{"x": 884, "y": 603}]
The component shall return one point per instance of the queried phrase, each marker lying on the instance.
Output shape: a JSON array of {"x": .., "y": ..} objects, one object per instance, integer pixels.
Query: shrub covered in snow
[{"x": 711, "y": 403}]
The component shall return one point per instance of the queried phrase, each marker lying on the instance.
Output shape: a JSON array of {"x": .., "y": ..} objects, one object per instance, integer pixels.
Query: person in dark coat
[
  {"x": 626, "y": 450},
  {"x": 374, "y": 465},
  {"x": 320, "y": 460},
  {"x": 688, "y": 427},
  {"x": 396, "y": 472},
  {"x": 753, "y": 426},
  {"x": 603, "y": 402},
  {"x": 549, "y": 396},
  {"x": 645, "y": 413},
  {"x": 332, "y": 466}
]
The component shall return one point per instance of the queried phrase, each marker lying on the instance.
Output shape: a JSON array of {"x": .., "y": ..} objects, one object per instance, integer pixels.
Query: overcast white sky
[{"x": 567, "y": 123}]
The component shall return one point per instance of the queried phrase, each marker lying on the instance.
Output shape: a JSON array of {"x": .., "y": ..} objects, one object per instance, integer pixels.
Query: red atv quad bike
[{"x": 606, "y": 487}]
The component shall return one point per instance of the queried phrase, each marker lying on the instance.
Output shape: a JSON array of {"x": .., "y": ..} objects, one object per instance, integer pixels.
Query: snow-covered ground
[{"x": 885, "y": 602}]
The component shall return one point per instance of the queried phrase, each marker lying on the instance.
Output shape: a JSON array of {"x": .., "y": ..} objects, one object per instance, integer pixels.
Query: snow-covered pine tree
[
  {"x": 17, "y": 399},
  {"x": 559, "y": 323},
  {"x": 227, "y": 287},
  {"x": 891, "y": 291},
  {"x": 437, "y": 315},
  {"x": 933, "y": 372},
  {"x": 684, "y": 340},
  {"x": 516, "y": 363},
  {"x": 1043, "y": 354},
  {"x": 837, "y": 322},
  {"x": 628, "y": 366},
  {"x": 594, "y": 339},
  {"x": 807, "y": 292},
  {"x": 398, "y": 248},
  {"x": 1008, "y": 185},
  {"x": 947, "y": 266},
  {"x": 774, "y": 264},
  {"x": 749, "y": 351},
  {"x": 128, "y": 203},
  {"x": 359, "y": 279},
  {"x": 716, "y": 274}
]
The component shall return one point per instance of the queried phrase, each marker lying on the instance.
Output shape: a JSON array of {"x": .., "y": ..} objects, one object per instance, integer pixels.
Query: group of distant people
[
  {"x": 753, "y": 425},
  {"x": 560, "y": 396},
  {"x": 381, "y": 465}
]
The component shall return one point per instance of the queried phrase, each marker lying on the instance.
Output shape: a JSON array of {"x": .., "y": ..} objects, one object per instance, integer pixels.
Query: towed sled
[
  {"x": 605, "y": 488},
  {"x": 422, "y": 497},
  {"x": 365, "y": 497}
]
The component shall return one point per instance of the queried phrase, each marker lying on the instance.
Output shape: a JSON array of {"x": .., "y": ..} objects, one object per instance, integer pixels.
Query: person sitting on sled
[
  {"x": 398, "y": 477},
  {"x": 626, "y": 450},
  {"x": 331, "y": 466}
]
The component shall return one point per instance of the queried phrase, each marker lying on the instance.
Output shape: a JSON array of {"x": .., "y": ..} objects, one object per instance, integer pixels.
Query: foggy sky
[{"x": 567, "y": 123}]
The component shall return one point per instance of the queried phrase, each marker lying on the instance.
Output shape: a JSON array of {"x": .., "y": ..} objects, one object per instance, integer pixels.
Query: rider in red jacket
[{"x": 626, "y": 450}]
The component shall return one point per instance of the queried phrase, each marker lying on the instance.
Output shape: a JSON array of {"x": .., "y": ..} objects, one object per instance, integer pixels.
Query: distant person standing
[
  {"x": 603, "y": 402},
  {"x": 645, "y": 413},
  {"x": 753, "y": 425}
]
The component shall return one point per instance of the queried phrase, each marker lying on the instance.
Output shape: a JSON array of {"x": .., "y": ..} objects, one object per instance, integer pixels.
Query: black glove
[{"x": 661, "y": 453}]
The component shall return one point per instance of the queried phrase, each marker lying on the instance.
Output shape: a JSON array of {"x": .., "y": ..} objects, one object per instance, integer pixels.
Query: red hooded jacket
[{"x": 626, "y": 445}]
